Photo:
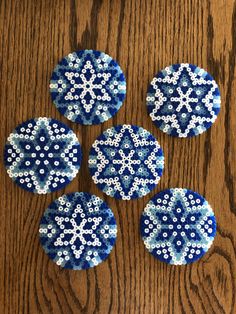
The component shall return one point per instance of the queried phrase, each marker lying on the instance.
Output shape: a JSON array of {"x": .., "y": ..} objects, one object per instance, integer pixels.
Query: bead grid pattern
[
  {"x": 78, "y": 231},
  {"x": 178, "y": 226},
  {"x": 126, "y": 162},
  {"x": 42, "y": 155},
  {"x": 183, "y": 100},
  {"x": 88, "y": 87}
]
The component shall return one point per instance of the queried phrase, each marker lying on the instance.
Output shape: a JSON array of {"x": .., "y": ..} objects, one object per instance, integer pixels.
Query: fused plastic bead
[
  {"x": 183, "y": 100},
  {"x": 88, "y": 87},
  {"x": 78, "y": 231},
  {"x": 126, "y": 162},
  {"x": 42, "y": 155},
  {"x": 178, "y": 226}
]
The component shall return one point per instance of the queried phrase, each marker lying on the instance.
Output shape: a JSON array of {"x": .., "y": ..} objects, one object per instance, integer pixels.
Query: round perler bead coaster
[
  {"x": 178, "y": 226},
  {"x": 88, "y": 87},
  {"x": 78, "y": 231},
  {"x": 126, "y": 162},
  {"x": 183, "y": 100},
  {"x": 42, "y": 155}
]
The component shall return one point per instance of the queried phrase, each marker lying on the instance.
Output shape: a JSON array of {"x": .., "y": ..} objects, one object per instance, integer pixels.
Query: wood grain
[{"x": 143, "y": 36}]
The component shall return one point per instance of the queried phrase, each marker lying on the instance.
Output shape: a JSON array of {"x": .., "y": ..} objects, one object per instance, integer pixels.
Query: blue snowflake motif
[
  {"x": 42, "y": 155},
  {"x": 78, "y": 231},
  {"x": 126, "y": 162},
  {"x": 88, "y": 87},
  {"x": 178, "y": 226},
  {"x": 183, "y": 100}
]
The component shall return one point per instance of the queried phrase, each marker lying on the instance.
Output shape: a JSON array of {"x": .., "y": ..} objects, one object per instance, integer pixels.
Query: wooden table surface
[{"x": 143, "y": 36}]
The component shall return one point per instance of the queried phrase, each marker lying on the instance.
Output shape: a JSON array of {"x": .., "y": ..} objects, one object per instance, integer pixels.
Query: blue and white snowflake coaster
[
  {"x": 78, "y": 231},
  {"x": 88, "y": 87},
  {"x": 42, "y": 155},
  {"x": 126, "y": 162},
  {"x": 178, "y": 226},
  {"x": 183, "y": 100}
]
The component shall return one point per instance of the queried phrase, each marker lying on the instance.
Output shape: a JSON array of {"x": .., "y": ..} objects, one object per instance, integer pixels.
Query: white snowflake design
[
  {"x": 88, "y": 87},
  {"x": 183, "y": 100},
  {"x": 78, "y": 231},
  {"x": 42, "y": 155},
  {"x": 178, "y": 226},
  {"x": 126, "y": 162}
]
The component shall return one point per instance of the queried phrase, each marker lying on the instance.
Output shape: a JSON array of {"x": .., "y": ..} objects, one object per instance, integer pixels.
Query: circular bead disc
[
  {"x": 42, "y": 155},
  {"x": 178, "y": 226},
  {"x": 126, "y": 162},
  {"x": 78, "y": 231},
  {"x": 88, "y": 87},
  {"x": 183, "y": 100}
]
